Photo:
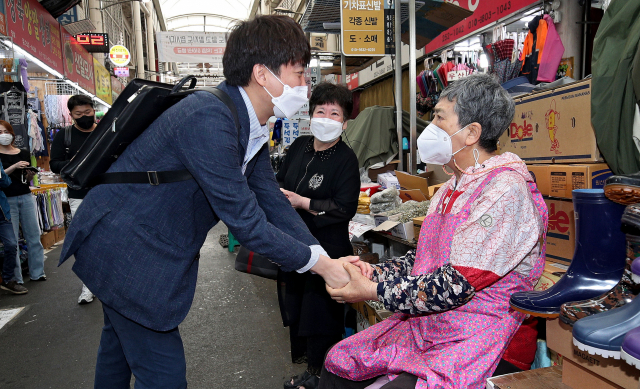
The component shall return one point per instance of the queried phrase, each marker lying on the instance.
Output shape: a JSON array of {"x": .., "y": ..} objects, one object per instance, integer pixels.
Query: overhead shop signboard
[
  {"x": 116, "y": 88},
  {"x": 78, "y": 63},
  {"x": 103, "y": 82},
  {"x": 34, "y": 29},
  {"x": 362, "y": 27},
  {"x": 94, "y": 42},
  {"x": 191, "y": 47},
  {"x": 3, "y": 19},
  {"x": 485, "y": 12},
  {"x": 119, "y": 55}
]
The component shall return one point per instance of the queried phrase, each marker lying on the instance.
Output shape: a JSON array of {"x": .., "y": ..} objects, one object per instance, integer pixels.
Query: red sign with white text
[
  {"x": 352, "y": 81},
  {"x": 34, "y": 29},
  {"x": 485, "y": 12},
  {"x": 78, "y": 63}
]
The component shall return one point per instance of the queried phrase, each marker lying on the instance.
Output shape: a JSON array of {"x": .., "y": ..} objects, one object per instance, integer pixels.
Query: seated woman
[
  {"x": 320, "y": 178},
  {"x": 483, "y": 239}
]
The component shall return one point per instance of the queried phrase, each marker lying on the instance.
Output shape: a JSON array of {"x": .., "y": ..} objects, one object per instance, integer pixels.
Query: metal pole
[
  {"x": 137, "y": 23},
  {"x": 151, "y": 51},
  {"x": 412, "y": 86},
  {"x": 398, "y": 83},
  {"x": 343, "y": 67}
]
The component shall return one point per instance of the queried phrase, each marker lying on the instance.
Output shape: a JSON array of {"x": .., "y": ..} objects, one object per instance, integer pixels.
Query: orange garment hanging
[{"x": 541, "y": 33}]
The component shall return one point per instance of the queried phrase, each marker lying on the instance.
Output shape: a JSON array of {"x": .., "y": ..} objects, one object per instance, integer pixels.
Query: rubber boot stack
[{"x": 598, "y": 293}]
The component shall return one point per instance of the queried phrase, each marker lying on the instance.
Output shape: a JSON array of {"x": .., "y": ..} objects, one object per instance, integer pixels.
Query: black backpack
[{"x": 140, "y": 103}]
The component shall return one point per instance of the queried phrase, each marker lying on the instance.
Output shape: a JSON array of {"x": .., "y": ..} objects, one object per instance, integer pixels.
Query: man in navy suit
[{"x": 136, "y": 245}]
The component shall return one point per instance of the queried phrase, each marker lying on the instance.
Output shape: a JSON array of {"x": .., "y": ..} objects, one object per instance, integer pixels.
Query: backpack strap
[
  {"x": 67, "y": 139},
  {"x": 166, "y": 177}
]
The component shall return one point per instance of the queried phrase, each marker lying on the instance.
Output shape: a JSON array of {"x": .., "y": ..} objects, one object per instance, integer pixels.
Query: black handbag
[{"x": 252, "y": 263}]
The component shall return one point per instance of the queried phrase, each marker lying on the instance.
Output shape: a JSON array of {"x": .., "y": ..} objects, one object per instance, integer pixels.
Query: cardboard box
[
  {"x": 59, "y": 234},
  {"x": 433, "y": 189},
  {"x": 48, "y": 239},
  {"x": 414, "y": 187},
  {"x": 597, "y": 368},
  {"x": 565, "y": 178},
  {"x": 578, "y": 377},
  {"x": 540, "y": 174},
  {"x": 561, "y": 236},
  {"x": 417, "y": 225},
  {"x": 371, "y": 314},
  {"x": 553, "y": 126},
  {"x": 397, "y": 229}
]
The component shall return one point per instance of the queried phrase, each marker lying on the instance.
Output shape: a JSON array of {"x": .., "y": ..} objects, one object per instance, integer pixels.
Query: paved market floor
[{"x": 233, "y": 335}]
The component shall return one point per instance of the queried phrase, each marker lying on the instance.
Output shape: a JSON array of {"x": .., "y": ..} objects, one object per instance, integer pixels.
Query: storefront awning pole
[
  {"x": 412, "y": 87},
  {"x": 398, "y": 82},
  {"x": 343, "y": 67}
]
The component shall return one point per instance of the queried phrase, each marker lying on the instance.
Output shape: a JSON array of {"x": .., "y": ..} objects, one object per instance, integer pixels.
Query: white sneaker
[{"x": 86, "y": 296}]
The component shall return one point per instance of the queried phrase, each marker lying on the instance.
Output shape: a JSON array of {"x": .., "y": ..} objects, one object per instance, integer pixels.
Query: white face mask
[
  {"x": 6, "y": 139},
  {"x": 434, "y": 145},
  {"x": 326, "y": 130},
  {"x": 290, "y": 101}
]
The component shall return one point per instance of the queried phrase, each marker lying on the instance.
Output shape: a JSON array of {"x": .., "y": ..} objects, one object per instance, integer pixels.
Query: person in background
[
  {"x": 320, "y": 177},
  {"x": 8, "y": 239},
  {"x": 83, "y": 115},
  {"x": 24, "y": 211}
]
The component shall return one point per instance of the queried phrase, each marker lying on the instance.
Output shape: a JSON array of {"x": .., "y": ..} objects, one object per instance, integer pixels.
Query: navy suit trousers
[{"x": 155, "y": 358}]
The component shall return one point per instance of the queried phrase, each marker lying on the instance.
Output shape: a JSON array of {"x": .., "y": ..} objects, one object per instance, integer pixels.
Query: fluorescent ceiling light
[
  {"x": 36, "y": 61},
  {"x": 326, "y": 64},
  {"x": 527, "y": 18},
  {"x": 313, "y": 63}
]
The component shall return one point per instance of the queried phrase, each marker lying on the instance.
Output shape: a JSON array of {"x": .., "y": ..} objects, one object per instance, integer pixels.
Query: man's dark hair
[
  {"x": 77, "y": 100},
  {"x": 271, "y": 40},
  {"x": 328, "y": 93}
]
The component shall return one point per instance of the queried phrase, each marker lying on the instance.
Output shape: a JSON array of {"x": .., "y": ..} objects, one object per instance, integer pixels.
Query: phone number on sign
[{"x": 363, "y": 49}]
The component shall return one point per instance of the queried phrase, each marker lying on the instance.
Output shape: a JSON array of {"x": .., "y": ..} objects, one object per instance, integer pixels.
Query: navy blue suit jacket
[{"x": 135, "y": 245}]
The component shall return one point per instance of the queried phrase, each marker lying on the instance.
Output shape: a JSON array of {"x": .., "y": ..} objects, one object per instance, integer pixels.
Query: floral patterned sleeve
[
  {"x": 392, "y": 269},
  {"x": 439, "y": 291}
]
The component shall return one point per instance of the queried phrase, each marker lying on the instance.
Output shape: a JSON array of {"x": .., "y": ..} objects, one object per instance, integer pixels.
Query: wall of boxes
[{"x": 551, "y": 131}]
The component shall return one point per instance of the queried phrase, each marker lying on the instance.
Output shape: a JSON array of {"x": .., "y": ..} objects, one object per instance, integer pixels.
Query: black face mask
[{"x": 86, "y": 122}]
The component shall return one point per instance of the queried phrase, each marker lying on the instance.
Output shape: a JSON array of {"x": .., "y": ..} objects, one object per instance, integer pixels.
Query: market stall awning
[{"x": 432, "y": 18}]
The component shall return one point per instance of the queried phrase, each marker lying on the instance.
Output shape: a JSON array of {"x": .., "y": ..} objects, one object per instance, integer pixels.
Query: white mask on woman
[
  {"x": 6, "y": 139},
  {"x": 326, "y": 130},
  {"x": 290, "y": 101},
  {"x": 434, "y": 145}
]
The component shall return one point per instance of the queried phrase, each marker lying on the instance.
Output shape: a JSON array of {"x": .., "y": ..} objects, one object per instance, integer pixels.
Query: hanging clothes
[
  {"x": 613, "y": 100},
  {"x": 50, "y": 213},
  {"x": 533, "y": 48},
  {"x": 13, "y": 103},
  {"x": 552, "y": 55}
]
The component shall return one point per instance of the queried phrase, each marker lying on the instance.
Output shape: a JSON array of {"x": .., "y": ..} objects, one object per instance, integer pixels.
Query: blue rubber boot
[
  {"x": 598, "y": 261},
  {"x": 603, "y": 334}
]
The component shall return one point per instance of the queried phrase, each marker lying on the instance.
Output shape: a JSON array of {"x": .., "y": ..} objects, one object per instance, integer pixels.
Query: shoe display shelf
[{"x": 583, "y": 370}]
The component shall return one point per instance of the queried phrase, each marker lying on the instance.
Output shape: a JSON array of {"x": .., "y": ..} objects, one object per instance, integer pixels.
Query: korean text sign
[
  {"x": 34, "y": 29},
  {"x": 362, "y": 27},
  {"x": 78, "y": 63}
]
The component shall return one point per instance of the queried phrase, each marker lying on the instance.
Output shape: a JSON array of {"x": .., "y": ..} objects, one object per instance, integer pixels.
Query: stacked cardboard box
[
  {"x": 550, "y": 129},
  {"x": 583, "y": 370}
]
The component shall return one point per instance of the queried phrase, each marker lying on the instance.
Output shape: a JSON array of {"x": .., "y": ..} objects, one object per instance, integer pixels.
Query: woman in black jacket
[{"x": 320, "y": 178}]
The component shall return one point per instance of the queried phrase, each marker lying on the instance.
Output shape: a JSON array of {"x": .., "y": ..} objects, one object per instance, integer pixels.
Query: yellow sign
[
  {"x": 362, "y": 27},
  {"x": 119, "y": 55},
  {"x": 103, "y": 82}
]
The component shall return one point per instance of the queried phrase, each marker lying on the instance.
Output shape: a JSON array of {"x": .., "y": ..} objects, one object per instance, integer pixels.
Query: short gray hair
[{"x": 480, "y": 98}]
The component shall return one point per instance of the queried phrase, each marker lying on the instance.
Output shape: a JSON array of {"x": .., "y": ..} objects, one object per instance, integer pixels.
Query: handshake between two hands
[{"x": 348, "y": 279}]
